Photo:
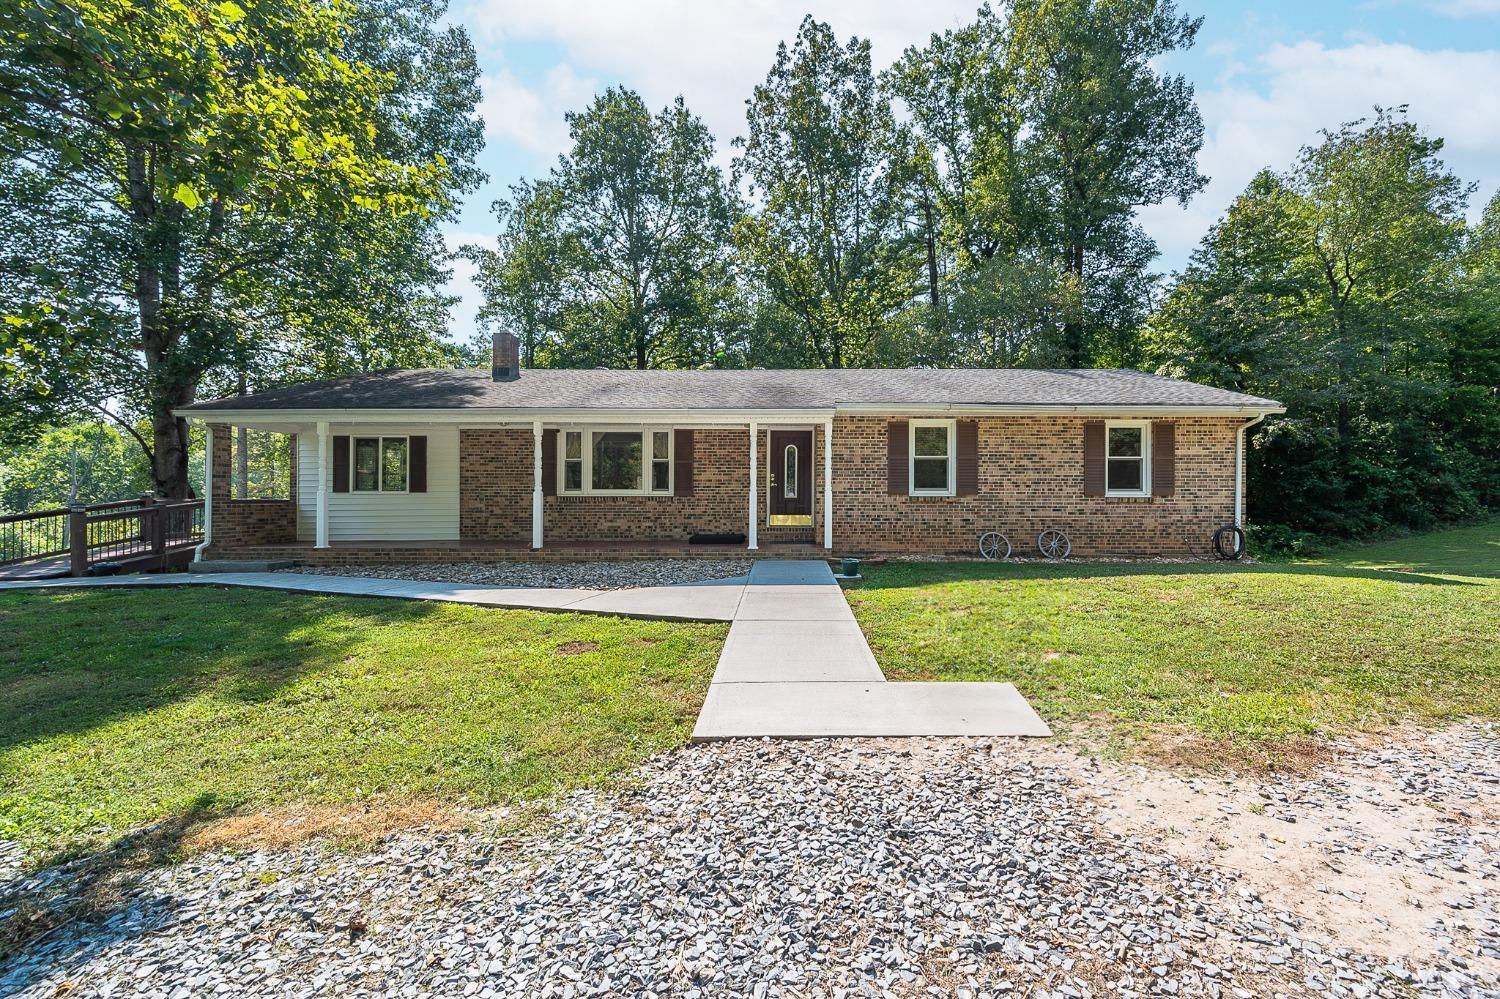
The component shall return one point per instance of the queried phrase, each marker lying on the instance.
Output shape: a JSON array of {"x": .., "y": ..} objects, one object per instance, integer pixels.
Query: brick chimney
[{"x": 505, "y": 357}]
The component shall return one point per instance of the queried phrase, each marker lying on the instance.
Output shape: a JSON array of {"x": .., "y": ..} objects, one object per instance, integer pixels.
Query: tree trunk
[
  {"x": 932, "y": 270},
  {"x": 1073, "y": 327}
]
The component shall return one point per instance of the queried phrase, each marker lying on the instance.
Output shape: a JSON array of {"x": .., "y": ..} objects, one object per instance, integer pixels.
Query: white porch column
[
  {"x": 827, "y": 483},
  {"x": 754, "y": 484},
  {"x": 320, "y": 531},
  {"x": 208, "y": 492},
  {"x": 536, "y": 484}
]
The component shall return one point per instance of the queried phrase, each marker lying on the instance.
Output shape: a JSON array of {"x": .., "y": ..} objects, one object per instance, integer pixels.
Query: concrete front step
[
  {"x": 240, "y": 565},
  {"x": 811, "y": 710}
]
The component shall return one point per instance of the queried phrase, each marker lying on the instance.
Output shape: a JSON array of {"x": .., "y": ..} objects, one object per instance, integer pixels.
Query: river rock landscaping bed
[
  {"x": 831, "y": 868},
  {"x": 623, "y": 575}
]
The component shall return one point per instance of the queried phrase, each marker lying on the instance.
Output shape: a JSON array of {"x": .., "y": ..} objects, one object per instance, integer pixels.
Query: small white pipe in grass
[
  {"x": 208, "y": 492},
  {"x": 1239, "y": 471}
]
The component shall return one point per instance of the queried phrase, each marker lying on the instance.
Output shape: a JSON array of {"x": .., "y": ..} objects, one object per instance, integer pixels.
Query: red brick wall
[
  {"x": 1031, "y": 478},
  {"x": 495, "y": 495},
  {"x": 246, "y": 522}
]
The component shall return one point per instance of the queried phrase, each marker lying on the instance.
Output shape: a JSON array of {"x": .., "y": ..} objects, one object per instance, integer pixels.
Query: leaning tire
[
  {"x": 993, "y": 545},
  {"x": 1229, "y": 543}
]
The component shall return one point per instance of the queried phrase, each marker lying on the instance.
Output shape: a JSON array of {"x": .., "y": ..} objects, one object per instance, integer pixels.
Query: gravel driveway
[
  {"x": 929, "y": 867},
  {"x": 623, "y": 575}
]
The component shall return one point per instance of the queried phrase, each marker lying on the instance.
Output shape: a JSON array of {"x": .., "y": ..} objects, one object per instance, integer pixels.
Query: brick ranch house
[{"x": 449, "y": 464}]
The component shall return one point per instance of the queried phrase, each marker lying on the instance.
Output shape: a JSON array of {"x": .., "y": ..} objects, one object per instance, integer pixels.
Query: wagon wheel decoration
[
  {"x": 994, "y": 545},
  {"x": 1054, "y": 544}
]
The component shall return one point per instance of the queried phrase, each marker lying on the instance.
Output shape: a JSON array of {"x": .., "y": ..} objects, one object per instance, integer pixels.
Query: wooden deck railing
[{"x": 135, "y": 532}]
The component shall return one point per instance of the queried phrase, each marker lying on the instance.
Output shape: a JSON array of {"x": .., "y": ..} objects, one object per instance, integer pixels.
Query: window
[
  {"x": 616, "y": 462},
  {"x": 380, "y": 465},
  {"x": 789, "y": 472},
  {"x": 573, "y": 461},
  {"x": 932, "y": 457},
  {"x": 661, "y": 461},
  {"x": 1127, "y": 448}
]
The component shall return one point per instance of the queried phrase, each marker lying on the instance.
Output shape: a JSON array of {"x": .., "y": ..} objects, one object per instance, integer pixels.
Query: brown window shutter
[
  {"x": 1163, "y": 459},
  {"x": 967, "y": 479},
  {"x": 682, "y": 462},
  {"x": 341, "y": 464},
  {"x": 549, "y": 462},
  {"x": 417, "y": 455},
  {"x": 1093, "y": 457},
  {"x": 898, "y": 467}
]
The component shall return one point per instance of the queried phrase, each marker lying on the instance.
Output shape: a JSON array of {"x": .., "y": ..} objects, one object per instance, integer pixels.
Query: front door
[{"x": 791, "y": 482}]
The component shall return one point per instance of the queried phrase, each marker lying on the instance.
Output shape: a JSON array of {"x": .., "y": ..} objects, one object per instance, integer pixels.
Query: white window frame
[
  {"x": 379, "y": 440},
  {"x": 911, "y": 457},
  {"x": 1145, "y": 428},
  {"x": 587, "y": 440}
]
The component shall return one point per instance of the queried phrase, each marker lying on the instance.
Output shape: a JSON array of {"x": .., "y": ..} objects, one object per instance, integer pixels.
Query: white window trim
[
  {"x": 1145, "y": 428},
  {"x": 588, "y": 461},
  {"x": 911, "y": 458},
  {"x": 380, "y": 440}
]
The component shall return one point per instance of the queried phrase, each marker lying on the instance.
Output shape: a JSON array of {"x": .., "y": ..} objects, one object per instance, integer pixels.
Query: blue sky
[{"x": 1268, "y": 75}]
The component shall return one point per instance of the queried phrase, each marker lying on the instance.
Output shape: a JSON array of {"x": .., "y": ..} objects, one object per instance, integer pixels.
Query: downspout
[
  {"x": 1239, "y": 470},
  {"x": 208, "y": 492}
]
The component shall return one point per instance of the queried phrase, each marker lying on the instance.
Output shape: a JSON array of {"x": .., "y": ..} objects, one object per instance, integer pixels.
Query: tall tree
[
  {"x": 623, "y": 251},
  {"x": 1105, "y": 134},
  {"x": 818, "y": 161},
  {"x": 169, "y": 166},
  {"x": 1339, "y": 287}
]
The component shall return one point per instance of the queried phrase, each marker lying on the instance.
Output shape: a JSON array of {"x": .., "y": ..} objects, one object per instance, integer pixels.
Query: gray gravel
[
  {"x": 830, "y": 868},
  {"x": 623, "y": 575}
]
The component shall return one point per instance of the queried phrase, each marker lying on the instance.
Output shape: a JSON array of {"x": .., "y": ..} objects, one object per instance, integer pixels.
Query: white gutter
[
  {"x": 522, "y": 417},
  {"x": 208, "y": 494},
  {"x": 1239, "y": 469}
]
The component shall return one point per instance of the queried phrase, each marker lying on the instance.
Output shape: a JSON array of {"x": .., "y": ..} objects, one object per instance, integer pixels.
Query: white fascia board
[
  {"x": 969, "y": 409},
  {"x": 507, "y": 417},
  {"x": 278, "y": 418}
]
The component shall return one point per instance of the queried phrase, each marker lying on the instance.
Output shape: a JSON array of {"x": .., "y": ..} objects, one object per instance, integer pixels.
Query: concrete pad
[
  {"x": 785, "y": 572},
  {"x": 672, "y": 603},
  {"x": 793, "y": 603},
  {"x": 869, "y": 710},
  {"x": 773, "y": 651}
]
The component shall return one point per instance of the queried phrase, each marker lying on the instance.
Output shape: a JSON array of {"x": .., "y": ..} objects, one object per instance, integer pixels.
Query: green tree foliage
[
  {"x": 621, "y": 256},
  {"x": 91, "y": 462},
  {"x": 200, "y": 192},
  {"x": 1344, "y": 288},
  {"x": 819, "y": 161}
]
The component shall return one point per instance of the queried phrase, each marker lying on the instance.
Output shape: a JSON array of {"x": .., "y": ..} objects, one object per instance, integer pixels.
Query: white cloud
[
  {"x": 712, "y": 54},
  {"x": 1466, "y": 8},
  {"x": 463, "y": 326},
  {"x": 533, "y": 117},
  {"x": 1263, "y": 120}
]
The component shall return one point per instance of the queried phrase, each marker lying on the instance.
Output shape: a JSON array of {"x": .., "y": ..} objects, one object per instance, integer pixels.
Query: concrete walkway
[
  {"x": 797, "y": 666},
  {"x": 712, "y": 600}
]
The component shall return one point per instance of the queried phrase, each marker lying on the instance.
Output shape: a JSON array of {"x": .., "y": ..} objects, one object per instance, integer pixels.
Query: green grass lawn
[
  {"x": 1364, "y": 638},
  {"x": 124, "y": 707}
]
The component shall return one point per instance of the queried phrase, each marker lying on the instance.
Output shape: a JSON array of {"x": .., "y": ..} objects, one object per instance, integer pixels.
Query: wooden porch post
[
  {"x": 320, "y": 529},
  {"x": 536, "y": 484},
  {"x": 827, "y": 483},
  {"x": 754, "y": 486}
]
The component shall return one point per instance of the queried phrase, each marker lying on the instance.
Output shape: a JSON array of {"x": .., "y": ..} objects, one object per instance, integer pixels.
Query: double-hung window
[
  {"x": 1127, "y": 458},
  {"x": 380, "y": 465},
  {"x": 932, "y": 450},
  {"x": 616, "y": 462}
]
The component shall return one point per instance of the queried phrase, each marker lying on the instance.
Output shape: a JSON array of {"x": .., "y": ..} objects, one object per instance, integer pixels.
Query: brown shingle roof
[{"x": 584, "y": 389}]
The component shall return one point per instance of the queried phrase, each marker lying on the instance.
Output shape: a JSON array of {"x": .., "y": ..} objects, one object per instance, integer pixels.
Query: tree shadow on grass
[
  {"x": 57, "y": 916},
  {"x": 77, "y": 660},
  {"x": 905, "y": 575}
]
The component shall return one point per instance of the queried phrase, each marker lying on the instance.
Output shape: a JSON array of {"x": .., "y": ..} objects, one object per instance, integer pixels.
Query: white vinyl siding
[{"x": 388, "y": 516}]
